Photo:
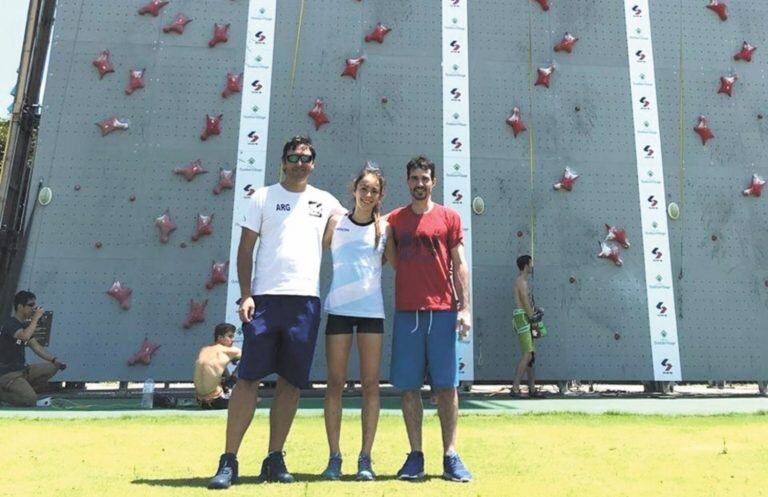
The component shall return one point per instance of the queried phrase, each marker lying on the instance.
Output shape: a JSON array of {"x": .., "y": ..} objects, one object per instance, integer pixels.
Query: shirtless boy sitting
[{"x": 211, "y": 368}]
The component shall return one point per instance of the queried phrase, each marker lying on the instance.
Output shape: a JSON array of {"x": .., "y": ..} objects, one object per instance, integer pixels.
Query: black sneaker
[
  {"x": 273, "y": 469},
  {"x": 226, "y": 475}
]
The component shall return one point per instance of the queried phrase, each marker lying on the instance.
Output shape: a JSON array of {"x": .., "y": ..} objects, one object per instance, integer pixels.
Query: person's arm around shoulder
[{"x": 330, "y": 227}]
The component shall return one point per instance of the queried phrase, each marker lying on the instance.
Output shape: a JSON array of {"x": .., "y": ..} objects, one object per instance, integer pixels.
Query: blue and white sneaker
[
  {"x": 454, "y": 469},
  {"x": 365, "y": 469},
  {"x": 413, "y": 469},
  {"x": 333, "y": 471}
]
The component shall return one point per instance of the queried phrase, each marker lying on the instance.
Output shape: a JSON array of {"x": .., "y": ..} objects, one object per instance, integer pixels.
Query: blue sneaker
[
  {"x": 365, "y": 469},
  {"x": 226, "y": 475},
  {"x": 273, "y": 469},
  {"x": 333, "y": 471},
  {"x": 454, "y": 469},
  {"x": 413, "y": 469}
]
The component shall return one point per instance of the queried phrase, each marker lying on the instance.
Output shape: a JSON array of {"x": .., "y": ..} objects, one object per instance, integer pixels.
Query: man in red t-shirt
[{"x": 428, "y": 251}]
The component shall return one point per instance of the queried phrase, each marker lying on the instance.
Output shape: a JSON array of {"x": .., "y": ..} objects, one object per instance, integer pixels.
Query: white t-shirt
[
  {"x": 290, "y": 227},
  {"x": 356, "y": 285}
]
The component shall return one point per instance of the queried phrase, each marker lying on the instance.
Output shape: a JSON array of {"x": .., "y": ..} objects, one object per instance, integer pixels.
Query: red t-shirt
[{"x": 424, "y": 243}]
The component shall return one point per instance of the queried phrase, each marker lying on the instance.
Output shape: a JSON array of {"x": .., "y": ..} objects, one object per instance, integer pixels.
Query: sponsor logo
[
  {"x": 455, "y": 3},
  {"x": 657, "y": 254},
  {"x": 662, "y": 309},
  {"x": 456, "y": 144},
  {"x": 315, "y": 208},
  {"x": 457, "y": 196},
  {"x": 640, "y": 56},
  {"x": 455, "y": 72},
  {"x": 637, "y": 11},
  {"x": 455, "y": 95},
  {"x": 667, "y": 366},
  {"x": 457, "y": 172},
  {"x": 256, "y": 86},
  {"x": 652, "y": 202},
  {"x": 455, "y": 47},
  {"x": 249, "y": 165},
  {"x": 261, "y": 38},
  {"x": 456, "y": 120},
  {"x": 257, "y": 63},
  {"x": 283, "y": 207},
  {"x": 249, "y": 190},
  {"x": 646, "y": 103},
  {"x": 262, "y": 15},
  {"x": 648, "y": 152}
]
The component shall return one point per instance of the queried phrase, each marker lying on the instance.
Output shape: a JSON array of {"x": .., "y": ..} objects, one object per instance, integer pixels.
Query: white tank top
[{"x": 356, "y": 284}]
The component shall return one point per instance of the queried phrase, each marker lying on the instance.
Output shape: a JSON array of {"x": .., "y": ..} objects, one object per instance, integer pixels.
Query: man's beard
[{"x": 419, "y": 194}]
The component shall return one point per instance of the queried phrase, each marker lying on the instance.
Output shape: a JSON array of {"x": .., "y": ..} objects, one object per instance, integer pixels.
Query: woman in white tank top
[{"x": 357, "y": 241}]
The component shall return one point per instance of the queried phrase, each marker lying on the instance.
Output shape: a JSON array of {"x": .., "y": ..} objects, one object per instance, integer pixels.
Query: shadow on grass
[{"x": 197, "y": 482}]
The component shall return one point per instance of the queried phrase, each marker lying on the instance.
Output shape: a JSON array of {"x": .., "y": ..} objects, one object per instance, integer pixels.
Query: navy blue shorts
[{"x": 280, "y": 338}]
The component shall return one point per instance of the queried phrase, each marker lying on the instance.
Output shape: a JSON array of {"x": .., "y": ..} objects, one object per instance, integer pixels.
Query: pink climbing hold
[
  {"x": 153, "y": 8},
  {"x": 144, "y": 355},
  {"x": 610, "y": 252},
  {"x": 378, "y": 33},
  {"x": 226, "y": 181},
  {"x": 745, "y": 53},
  {"x": 544, "y": 74},
  {"x": 616, "y": 234},
  {"x": 135, "y": 81},
  {"x": 726, "y": 84},
  {"x": 196, "y": 313},
  {"x": 755, "y": 187},
  {"x": 567, "y": 181},
  {"x": 220, "y": 35},
  {"x": 318, "y": 114},
  {"x": 566, "y": 44},
  {"x": 352, "y": 65},
  {"x": 103, "y": 64},
  {"x": 121, "y": 293},
  {"x": 191, "y": 170},
  {"x": 166, "y": 226},
  {"x": 516, "y": 122},
  {"x": 219, "y": 274},
  {"x": 111, "y": 124},
  {"x": 718, "y": 8},
  {"x": 702, "y": 128},
  {"x": 234, "y": 85},
  {"x": 203, "y": 227},
  {"x": 177, "y": 25},
  {"x": 212, "y": 126}
]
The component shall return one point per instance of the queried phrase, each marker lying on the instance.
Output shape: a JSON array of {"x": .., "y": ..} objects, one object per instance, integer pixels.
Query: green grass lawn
[{"x": 529, "y": 455}]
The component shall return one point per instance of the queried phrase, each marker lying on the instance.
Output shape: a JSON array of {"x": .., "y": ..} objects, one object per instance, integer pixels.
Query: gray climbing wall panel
[{"x": 598, "y": 322}]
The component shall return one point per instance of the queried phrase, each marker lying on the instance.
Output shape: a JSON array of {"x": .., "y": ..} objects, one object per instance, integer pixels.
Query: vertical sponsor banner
[
  {"x": 456, "y": 151},
  {"x": 653, "y": 208},
  {"x": 254, "y": 127}
]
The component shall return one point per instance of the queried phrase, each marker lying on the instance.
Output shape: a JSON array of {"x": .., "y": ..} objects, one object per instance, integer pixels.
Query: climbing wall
[{"x": 110, "y": 192}]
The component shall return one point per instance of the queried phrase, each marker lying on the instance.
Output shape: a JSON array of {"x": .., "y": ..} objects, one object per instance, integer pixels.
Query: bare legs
[
  {"x": 524, "y": 368},
  {"x": 337, "y": 352}
]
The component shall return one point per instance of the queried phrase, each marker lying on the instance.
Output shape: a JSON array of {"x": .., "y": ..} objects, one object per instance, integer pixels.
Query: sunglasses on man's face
[{"x": 294, "y": 158}]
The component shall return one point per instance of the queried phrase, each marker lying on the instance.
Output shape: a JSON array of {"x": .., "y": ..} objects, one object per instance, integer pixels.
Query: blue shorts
[
  {"x": 280, "y": 338},
  {"x": 424, "y": 342}
]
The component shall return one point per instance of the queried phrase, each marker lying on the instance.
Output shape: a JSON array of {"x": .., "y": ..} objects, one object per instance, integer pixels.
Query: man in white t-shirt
[{"x": 279, "y": 305}]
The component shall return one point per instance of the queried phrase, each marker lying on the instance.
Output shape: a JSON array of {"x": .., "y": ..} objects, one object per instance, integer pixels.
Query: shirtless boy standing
[{"x": 526, "y": 319}]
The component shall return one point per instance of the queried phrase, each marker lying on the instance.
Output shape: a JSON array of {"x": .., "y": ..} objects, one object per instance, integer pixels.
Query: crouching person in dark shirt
[{"x": 19, "y": 382}]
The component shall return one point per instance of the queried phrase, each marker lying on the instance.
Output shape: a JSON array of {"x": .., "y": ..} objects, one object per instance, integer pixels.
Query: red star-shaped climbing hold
[
  {"x": 166, "y": 225},
  {"x": 726, "y": 84},
  {"x": 103, "y": 64},
  {"x": 755, "y": 187},
  {"x": 543, "y": 3},
  {"x": 144, "y": 355},
  {"x": 516, "y": 122},
  {"x": 234, "y": 84},
  {"x": 191, "y": 170},
  {"x": 212, "y": 126},
  {"x": 566, "y": 44},
  {"x": 718, "y": 8},
  {"x": 318, "y": 114},
  {"x": 702, "y": 128},
  {"x": 121, "y": 293},
  {"x": 177, "y": 25},
  {"x": 610, "y": 252},
  {"x": 135, "y": 81},
  {"x": 226, "y": 181},
  {"x": 220, "y": 35},
  {"x": 196, "y": 313},
  {"x": 616, "y": 234},
  {"x": 745, "y": 53},
  {"x": 153, "y": 8},
  {"x": 544, "y": 75},
  {"x": 219, "y": 274},
  {"x": 567, "y": 181},
  {"x": 111, "y": 124},
  {"x": 203, "y": 227},
  {"x": 352, "y": 65},
  {"x": 378, "y": 33}
]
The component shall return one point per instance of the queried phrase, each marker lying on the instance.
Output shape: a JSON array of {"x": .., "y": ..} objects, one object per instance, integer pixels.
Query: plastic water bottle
[{"x": 148, "y": 394}]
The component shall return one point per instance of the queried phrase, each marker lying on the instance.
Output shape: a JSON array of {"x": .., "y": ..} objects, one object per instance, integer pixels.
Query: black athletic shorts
[{"x": 344, "y": 325}]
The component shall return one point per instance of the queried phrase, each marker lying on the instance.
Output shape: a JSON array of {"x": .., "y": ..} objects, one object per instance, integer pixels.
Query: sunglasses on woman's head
[{"x": 294, "y": 158}]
